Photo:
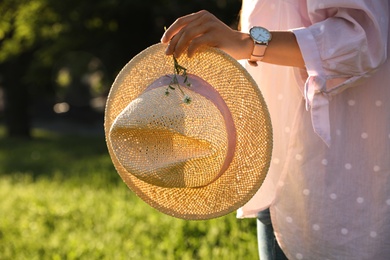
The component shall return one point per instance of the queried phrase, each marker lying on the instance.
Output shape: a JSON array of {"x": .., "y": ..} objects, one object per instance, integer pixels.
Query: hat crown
[{"x": 167, "y": 143}]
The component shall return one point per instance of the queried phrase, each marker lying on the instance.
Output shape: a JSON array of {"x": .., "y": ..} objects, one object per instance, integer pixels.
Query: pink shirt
[{"x": 328, "y": 186}]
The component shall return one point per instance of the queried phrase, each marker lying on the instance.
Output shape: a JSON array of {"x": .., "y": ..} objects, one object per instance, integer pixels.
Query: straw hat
[{"x": 200, "y": 158}]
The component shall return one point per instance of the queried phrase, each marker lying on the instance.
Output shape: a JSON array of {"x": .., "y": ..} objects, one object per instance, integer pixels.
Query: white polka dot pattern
[{"x": 348, "y": 166}]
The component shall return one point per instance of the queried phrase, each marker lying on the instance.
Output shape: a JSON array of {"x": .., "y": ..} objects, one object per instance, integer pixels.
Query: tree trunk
[{"x": 17, "y": 98}]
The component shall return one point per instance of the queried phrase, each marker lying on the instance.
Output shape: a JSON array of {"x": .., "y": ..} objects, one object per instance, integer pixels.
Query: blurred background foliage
[{"x": 58, "y": 58}]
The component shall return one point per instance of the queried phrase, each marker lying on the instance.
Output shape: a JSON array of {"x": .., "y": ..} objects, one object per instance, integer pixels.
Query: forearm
[{"x": 284, "y": 50}]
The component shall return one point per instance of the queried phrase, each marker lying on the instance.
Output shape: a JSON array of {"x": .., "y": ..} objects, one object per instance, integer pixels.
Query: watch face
[{"x": 260, "y": 34}]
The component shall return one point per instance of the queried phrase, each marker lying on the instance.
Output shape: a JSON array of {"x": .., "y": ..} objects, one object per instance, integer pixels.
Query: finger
[
  {"x": 183, "y": 39},
  {"x": 178, "y": 25},
  {"x": 172, "y": 46},
  {"x": 204, "y": 23},
  {"x": 205, "y": 40},
  {"x": 171, "y": 49}
]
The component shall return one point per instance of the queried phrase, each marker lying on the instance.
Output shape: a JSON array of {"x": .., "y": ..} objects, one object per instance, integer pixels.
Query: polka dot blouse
[{"x": 328, "y": 186}]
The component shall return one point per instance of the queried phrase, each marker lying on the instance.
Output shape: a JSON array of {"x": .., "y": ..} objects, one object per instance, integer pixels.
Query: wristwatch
[{"x": 261, "y": 37}]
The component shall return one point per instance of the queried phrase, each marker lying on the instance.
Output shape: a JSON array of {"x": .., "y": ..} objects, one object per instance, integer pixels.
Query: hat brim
[{"x": 252, "y": 156}]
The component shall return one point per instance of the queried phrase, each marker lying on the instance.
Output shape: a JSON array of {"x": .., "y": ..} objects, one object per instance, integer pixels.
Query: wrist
[{"x": 242, "y": 49}]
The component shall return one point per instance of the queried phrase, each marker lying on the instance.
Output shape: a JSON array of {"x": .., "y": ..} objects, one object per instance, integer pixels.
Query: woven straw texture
[
  {"x": 250, "y": 163},
  {"x": 168, "y": 143}
]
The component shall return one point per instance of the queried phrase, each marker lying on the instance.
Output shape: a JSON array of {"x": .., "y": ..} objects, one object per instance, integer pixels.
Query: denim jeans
[{"x": 268, "y": 246}]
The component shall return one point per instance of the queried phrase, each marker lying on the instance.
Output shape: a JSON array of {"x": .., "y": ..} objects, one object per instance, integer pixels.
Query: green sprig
[{"x": 179, "y": 70}]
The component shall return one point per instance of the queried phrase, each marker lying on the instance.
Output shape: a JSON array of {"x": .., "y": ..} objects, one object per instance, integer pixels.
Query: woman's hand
[{"x": 204, "y": 29}]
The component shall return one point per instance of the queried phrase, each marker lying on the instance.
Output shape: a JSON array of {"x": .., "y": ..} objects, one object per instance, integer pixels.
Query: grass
[{"x": 60, "y": 198}]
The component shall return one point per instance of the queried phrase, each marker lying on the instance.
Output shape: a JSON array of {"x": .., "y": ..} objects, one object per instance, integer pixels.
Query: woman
[{"x": 324, "y": 75}]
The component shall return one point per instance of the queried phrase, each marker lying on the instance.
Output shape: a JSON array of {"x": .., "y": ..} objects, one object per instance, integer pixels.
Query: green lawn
[{"x": 60, "y": 198}]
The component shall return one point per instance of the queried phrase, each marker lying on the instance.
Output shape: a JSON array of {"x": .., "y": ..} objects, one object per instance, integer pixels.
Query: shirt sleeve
[{"x": 345, "y": 43}]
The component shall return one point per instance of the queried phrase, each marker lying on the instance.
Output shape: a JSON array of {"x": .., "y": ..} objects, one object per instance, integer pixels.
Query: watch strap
[{"x": 257, "y": 53}]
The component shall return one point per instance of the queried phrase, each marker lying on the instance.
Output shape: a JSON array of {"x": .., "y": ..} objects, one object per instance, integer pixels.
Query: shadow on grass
[{"x": 58, "y": 157}]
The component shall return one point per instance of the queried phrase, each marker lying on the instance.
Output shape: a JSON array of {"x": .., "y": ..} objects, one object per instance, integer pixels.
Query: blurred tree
[{"x": 35, "y": 35}]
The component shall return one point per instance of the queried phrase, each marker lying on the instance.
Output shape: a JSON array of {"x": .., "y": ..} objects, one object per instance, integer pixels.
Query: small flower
[{"x": 187, "y": 99}]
